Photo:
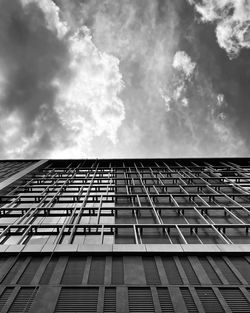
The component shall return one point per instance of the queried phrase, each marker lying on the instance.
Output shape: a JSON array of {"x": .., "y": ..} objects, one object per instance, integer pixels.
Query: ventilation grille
[
  {"x": 109, "y": 300},
  {"x": 235, "y": 300},
  {"x": 23, "y": 301},
  {"x": 30, "y": 271},
  {"x": 49, "y": 271},
  {"x": 117, "y": 271},
  {"x": 76, "y": 300},
  {"x": 209, "y": 300},
  {"x": 225, "y": 269},
  {"x": 189, "y": 301},
  {"x": 74, "y": 271},
  {"x": 140, "y": 300},
  {"x": 96, "y": 274},
  {"x": 5, "y": 296},
  {"x": 210, "y": 271},
  {"x": 191, "y": 276},
  {"x": 171, "y": 270},
  {"x": 165, "y": 300},
  {"x": 151, "y": 272}
]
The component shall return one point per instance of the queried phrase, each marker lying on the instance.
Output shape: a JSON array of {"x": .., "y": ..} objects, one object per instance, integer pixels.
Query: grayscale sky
[{"x": 129, "y": 78}]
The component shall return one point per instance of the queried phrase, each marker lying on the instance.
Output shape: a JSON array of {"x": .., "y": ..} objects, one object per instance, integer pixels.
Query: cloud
[
  {"x": 232, "y": 20},
  {"x": 182, "y": 62}
]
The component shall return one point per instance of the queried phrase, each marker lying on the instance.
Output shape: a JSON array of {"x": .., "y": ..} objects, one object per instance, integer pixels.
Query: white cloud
[
  {"x": 51, "y": 13},
  {"x": 232, "y": 19},
  {"x": 182, "y": 62}
]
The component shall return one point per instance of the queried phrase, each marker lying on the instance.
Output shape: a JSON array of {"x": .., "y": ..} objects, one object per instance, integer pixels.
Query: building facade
[{"x": 132, "y": 235}]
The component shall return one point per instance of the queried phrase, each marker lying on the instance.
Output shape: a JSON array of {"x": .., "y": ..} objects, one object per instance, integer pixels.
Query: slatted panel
[
  {"x": 226, "y": 271},
  {"x": 109, "y": 300},
  {"x": 76, "y": 300},
  {"x": 96, "y": 273},
  {"x": 191, "y": 276},
  {"x": 165, "y": 300},
  {"x": 5, "y": 296},
  {"x": 140, "y": 300},
  {"x": 13, "y": 271},
  {"x": 189, "y": 301},
  {"x": 235, "y": 300},
  {"x": 23, "y": 301},
  {"x": 49, "y": 271},
  {"x": 242, "y": 266},
  {"x": 117, "y": 270},
  {"x": 151, "y": 272},
  {"x": 74, "y": 271},
  {"x": 209, "y": 301},
  {"x": 30, "y": 271},
  {"x": 171, "y": 270},
  {"x": 210, "y": 271}
]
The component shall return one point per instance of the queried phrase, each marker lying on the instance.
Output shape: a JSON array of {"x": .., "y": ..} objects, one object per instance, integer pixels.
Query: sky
[{"x": 124, "y": 79}]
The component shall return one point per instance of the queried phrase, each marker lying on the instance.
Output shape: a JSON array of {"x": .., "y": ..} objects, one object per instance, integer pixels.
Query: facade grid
[{"x": 125, "y": 235}]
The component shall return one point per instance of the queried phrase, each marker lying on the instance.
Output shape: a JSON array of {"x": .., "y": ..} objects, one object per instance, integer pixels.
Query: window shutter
[
  {"x": 188, "y": 269},
  {"x": 117, "y": 271},
  {"x": 110, "y": 300},
  {"x": 165, "y": 300},
  {"x": 226, "y": 271},
  {"x": 189, "y": 301},
  {"x": 209, "y": 301},
  {"x": 242, "y": 266},
  {"x": 48, "y": 271},
  {"x": 140, "y": 300},
  {"x": 5, "y": 296},
  {"x": 235, "y": 300},
  {"x": 77, "y": 300},
  {"x": 30, "y": 271},
  {"x": 24, "y": 300},
  {"x": 210, "y": 271},
  {"x": 96, "y": 273},
  {"x": 13, "y": 271}
]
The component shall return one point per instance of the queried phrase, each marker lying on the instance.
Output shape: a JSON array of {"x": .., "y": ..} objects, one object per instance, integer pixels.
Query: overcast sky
[{"x": 130, "y": 78}]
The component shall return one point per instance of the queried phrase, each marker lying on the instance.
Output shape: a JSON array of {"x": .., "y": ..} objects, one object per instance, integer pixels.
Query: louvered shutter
[
  {"x": 171, "y": 270},
  {"x": 30, "y": 271},
  {"x": 109, "y": 300},
  {"x": 165, "y": 300},
  {"x": 74, "y": 271},
  {"x": 140, "y": 300},
  {"x": 24, "y": 300},
  {"x": 209, "y": 300},
  {"x": 189, "y": 301},
  {"x": 96, "y": 273},
  {"x": 5, "y": 296},
  {"x": 235, "y": 300},
  {"x": 77, "y": 300},
  {"x": 117, "y": 270},
  {"x": 151, "y": 272},
  {"x": 49, "y": 271}
]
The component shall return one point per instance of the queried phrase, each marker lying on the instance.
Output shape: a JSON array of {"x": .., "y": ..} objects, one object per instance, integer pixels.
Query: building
[{"x": 134, "y": 235}]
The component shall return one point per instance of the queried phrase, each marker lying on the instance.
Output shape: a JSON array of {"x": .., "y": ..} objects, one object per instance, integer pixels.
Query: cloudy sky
[{"x": 130, "y": 78}]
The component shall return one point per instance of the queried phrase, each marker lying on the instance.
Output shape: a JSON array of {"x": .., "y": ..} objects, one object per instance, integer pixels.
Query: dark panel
[
  {"x": 151, "y": 272},
  {"x": 77, "y": 300},
  {"x": 117, "y": 270},
  {"x": 140, "y": 300},
  {"x": 24, "y": 300},
  {"x": 49, "y": 271},
  {"x": 189, "y": 301},
  {"x": 209, "y": 301},
  {"x": 209, "y": 270},
  {"x": 74, "y": 271},
  {"x": 30, "y": 271},
  {"x": 191, "y": 276},
  {"x": 13, "y": 271},
  {"x": 171, "y": 270},
  {"x": 226, "y": 271},
  {"x": 96, "y": 273},
  {"x": 133, "y": 270},
  {"x": 165, "y": 300},
  {"x": 242, "y": 266}
]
